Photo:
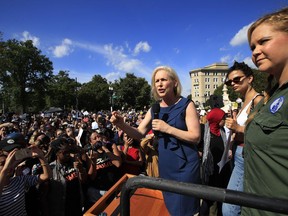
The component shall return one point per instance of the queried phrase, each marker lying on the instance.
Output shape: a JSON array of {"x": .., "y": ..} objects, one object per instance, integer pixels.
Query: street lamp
[
  {"x": 239, "y": 102},
  {"x": 205, "y": 96},
  {"x": 111, "y": 97}
]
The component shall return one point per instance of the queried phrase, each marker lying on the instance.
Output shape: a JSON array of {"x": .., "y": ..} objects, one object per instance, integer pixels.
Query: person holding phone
[
  {"x": 65, "y": 193},
  {"x": 240, "y": 77},
  {"x": 13, "y": 187}
]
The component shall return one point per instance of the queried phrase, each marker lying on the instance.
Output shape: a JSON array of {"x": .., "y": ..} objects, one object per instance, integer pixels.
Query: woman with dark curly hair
[{"x": 240, "y": 78}]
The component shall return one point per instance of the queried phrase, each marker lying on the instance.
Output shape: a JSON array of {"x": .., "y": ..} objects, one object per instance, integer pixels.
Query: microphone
[{"x": 156, "y": 110}]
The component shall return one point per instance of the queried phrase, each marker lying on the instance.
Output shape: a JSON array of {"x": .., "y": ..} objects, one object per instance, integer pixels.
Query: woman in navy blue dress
[{"x": 178, "y": 132}]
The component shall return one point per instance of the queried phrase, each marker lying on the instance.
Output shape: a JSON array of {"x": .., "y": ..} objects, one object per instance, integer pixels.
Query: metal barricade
[{"x": 200, "y": 191}]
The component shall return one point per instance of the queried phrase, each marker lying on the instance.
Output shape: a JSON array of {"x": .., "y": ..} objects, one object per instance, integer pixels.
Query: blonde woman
[
  {"x": 178, "y": 131},
  {"x": 266, "y": 133}
]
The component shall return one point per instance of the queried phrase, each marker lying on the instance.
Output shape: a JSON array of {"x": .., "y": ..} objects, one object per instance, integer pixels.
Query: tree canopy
[
  {"x": 24, "y": 75},
  {"x": 27, "y": 84}
]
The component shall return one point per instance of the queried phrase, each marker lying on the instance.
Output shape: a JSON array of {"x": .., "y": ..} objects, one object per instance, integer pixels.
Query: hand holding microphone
[{"x": 156, "y": 110}]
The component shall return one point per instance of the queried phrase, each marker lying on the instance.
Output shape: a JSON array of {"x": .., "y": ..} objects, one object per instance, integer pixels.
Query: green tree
[
  {"x": 94, "y": 95},
  {"x": 232, "y": 94},
  {"x": 133, "y": 92},
  {"x": 63, "y": 91},
  {"x": 24, "y": 74}
]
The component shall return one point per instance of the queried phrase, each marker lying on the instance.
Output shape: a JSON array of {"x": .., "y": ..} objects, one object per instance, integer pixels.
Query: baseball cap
[{"x": 12, "y": 141}]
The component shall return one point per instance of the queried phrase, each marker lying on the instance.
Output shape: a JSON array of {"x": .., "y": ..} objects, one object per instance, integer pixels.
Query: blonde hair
[
  {"x": 279, "y": 21},
  {"x": 172, "y": 75}
]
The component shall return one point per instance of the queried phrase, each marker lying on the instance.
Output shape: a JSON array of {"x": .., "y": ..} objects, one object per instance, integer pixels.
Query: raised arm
[
  {"x": 8, "y": 169},
  {"x": 136, "y": 133},
  {"x": 47, "y": 172}
]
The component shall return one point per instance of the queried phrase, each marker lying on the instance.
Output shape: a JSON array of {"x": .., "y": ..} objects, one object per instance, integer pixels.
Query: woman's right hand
[
  {"x": 231, "y": 124},
  {"x": 116, "y": 118}
]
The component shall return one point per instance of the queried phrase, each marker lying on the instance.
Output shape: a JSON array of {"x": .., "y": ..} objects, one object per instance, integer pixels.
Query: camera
[
  {"x": 23, "y": 153},
  {"x": 97, "y": 146}
]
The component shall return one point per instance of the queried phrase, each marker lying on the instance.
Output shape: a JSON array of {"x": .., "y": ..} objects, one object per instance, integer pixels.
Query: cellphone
[
  {"x": 23, "y": 153},
  {"x": 26, "y": 171}
]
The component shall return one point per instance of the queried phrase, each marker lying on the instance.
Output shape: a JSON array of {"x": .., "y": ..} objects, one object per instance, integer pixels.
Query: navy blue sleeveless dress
[{"x": 178, "y": 160}]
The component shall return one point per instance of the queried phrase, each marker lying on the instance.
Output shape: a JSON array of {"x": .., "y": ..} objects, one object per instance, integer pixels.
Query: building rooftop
[{"x": 215, "y": 66}]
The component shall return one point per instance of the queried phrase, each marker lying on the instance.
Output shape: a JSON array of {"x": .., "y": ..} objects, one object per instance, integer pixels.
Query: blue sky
[{"x": 115, "y": 37}]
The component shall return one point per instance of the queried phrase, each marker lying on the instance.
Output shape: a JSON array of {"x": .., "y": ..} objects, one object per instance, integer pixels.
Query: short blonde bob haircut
[{"x": 172, "y": 75}]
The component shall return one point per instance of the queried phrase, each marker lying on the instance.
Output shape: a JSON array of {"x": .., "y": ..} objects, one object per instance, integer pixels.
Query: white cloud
[
  {"x": 118, "y": 57},
  {"x": 142, "y": 46},
  {"x": 240, "y": 37},
  {"x": 112, "y": 76},
  {"x": 158, "y": 63},
  {"x": 27, "y": 36},
  {"x": 237, "y": 57},
  {"x": 230, "y": 59},
  {"x": 64, "y": 49},
  {"x": 225, "y": 59},
  {"x": 223, "y": 49},
  {"x": 249, "y": 62}
]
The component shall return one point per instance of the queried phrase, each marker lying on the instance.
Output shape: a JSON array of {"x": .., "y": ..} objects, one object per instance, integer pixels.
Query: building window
[
  {"x": 207, "y": 79},
  {"x": 207, "y": 93}
]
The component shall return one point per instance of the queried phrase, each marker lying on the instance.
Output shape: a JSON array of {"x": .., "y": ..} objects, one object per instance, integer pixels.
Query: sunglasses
[{"x": 235, "y": 80}]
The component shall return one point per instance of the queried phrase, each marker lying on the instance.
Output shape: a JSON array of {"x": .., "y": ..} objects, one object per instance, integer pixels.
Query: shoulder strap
[{"x": 252, "y": 104}]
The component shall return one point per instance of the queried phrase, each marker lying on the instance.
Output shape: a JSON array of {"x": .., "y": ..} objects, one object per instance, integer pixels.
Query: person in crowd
[
  {"x": 151, "y": 156},
  {"x": 36, "y": 196},
  {"x": 240, "y": 77},
  {"x": 215, "y": 142},
  {"x": 70, "y": 132},
  {"x": 265, "y": 152},
  {"x": 178, "y": 132},
  {"x": 65, "y": 196},
  {"x": 140, "y": 118},
  {"x": 94, "y": 124},
  {"x": 13, "y": 187},
  {"x": 58, "y": 133},
  {"x": 3, "y": 129},
  {"x": 107, "y": 159},
  {"x": 132, "y": 156},
  {"x": 118, "y": 135}
]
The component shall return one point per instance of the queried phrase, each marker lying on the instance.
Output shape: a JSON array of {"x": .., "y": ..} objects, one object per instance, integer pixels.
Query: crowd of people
[
  {"x": 84, "y": 154},
  {"x": 61, "y": 164}
]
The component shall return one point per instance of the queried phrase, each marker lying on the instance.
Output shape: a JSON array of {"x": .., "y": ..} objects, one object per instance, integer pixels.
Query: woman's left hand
[{"x": 160, "y": 125}]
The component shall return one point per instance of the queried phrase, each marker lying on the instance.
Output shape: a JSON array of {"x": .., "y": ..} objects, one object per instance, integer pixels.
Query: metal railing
[{"x": 200, "y": 191}]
